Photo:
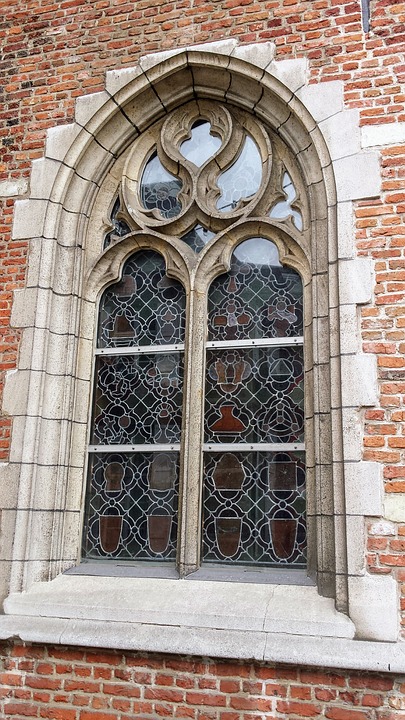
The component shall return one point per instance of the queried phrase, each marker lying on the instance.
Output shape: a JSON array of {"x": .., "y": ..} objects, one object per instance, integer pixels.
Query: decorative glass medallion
[
  {"x": 255, "y": 395},
  {"x": 198, "y": 237},
  {"x": 202, "y": 145},
  {"x": 159, "y": 189},
  {"x": 242, "y": 180},
  {"x": 254, "y": 522},
  {"x": 138, "y": 520},
  {"x": 284, "y": 209},
  {"x": 145, "y": 307}
]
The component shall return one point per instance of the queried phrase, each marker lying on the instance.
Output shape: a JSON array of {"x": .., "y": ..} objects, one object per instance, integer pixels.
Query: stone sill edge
[{"x": 303, "y": 650}]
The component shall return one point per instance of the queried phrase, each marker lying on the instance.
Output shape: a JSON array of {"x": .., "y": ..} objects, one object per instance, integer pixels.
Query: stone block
[
  {"x": 373, "y": 607},
  {"x": 359, "y": 380},
  {"x": 394, "y": 507},
  {"x": 87, "y": 106},
  {"x": 385, "y": 134},
  {"x": 322, "y": 100},
  {"x": 59, "y": 139},
  {"x": 342, "y": 133},
  {"x": 292, "y": 73},
  {"x": 43, "y": 174},
  {"x": 356, "y": 545},
  {"x": 349, "y": 330},
  {"x": 23, "y": 311},
  {"x": 7, "y": 532},
  {"x": 358, "y": 176},
  {"x": 346, "y": 230},
  {"x": 355, "y": 281},
  {"x": 28, "y": 219},
  {"x": 364, "y": 488},
  {"x": 9, "y": 483},
  {"x": 258, "y": 54},
  {"x": 13, "y": 188},
  {"x": 115, "y": 80},
  {"x": 352, "y": 434}
]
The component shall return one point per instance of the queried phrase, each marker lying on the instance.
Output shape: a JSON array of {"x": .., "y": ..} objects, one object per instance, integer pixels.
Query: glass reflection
[
  {"x": 242, "y": 180},
  {"x": 202, "y": 145},
  {"x": 257, "y": 298},
  {"x": 197, "y": 238},
  {"x": 159, "y": 189},
  {"x": 283, "y": 209}
]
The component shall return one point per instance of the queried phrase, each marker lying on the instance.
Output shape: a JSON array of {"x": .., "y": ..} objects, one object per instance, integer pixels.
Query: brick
[
  {"x": 302, "y": 709},
  {"x": 195, "y": 698},
  {"x": 26, "y": 710}
]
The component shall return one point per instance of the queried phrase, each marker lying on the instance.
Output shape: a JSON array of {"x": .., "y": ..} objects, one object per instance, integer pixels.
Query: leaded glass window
[
  {"x": 197, "y": 448},
  {"x": 254, "y": 468},
  {"x": 134, "y": 452}
]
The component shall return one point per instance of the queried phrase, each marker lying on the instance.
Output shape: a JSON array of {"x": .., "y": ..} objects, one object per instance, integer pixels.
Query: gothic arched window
[{"x": 197, "y": 441}]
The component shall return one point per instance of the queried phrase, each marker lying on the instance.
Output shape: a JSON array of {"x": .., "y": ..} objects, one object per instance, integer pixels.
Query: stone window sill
[{"x": 268, "y": 622}]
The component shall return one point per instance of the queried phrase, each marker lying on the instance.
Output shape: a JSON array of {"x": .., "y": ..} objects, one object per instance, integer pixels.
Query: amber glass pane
[
  {"x": 258, "y": 519},
  {"x": 145, "y": 307},
  {"x": 257, "y": 298},
  {"x": 137, "y": 517}
]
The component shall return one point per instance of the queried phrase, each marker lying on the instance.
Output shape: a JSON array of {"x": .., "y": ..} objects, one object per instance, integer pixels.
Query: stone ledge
[
  {"x": 234, "y": 606},
  {"x": 271, "y": 647}
]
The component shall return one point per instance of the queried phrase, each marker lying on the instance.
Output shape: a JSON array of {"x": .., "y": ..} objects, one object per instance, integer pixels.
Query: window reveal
[{"x": 203, "y": 170}]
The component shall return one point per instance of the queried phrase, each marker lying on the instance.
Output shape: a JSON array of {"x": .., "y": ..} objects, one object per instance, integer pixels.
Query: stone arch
[{"x": 81, "y": 166}]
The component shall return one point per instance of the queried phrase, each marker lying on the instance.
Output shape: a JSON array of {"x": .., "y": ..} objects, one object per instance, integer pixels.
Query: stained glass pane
[
  {"x": 283, "y": 209},
  {"x": 257, "y": 298},
  {"x": 201, "y": 145},
  {"x": 255, "y": 395},
  {"x": 159, "y": 189},
  {"x": 145, "y": 307},
  {"x": 242, "y": 180},
  {"x": 132, "y": 506},
  {"x": 138, "y": 399},
  {"x": 254, "y": 508},
  {"x": 198, "y": 237}
]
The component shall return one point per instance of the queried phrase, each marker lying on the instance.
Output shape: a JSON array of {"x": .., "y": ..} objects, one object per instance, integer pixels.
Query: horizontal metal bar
[
  {"x": 257, "y": 342},
  {"x": 141, "y": 349},
  {"x": 249, "y": 447},
  {"x": 162, "y": 447},
  {"x": 213, "y": 447}
]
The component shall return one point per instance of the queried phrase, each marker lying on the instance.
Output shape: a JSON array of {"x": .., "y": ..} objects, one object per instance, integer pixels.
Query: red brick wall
[
  {"x": 53, "y": 52},
  {"x": 74, "y": 684}
]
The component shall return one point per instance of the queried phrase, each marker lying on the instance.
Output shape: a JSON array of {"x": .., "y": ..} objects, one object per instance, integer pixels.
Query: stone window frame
[
  {"x": 196, "y": 272},
  {"x": 48, "y": 395}
]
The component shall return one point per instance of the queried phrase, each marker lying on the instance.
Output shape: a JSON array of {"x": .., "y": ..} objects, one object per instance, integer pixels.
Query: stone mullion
[{"x": 189, "y": 543}]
